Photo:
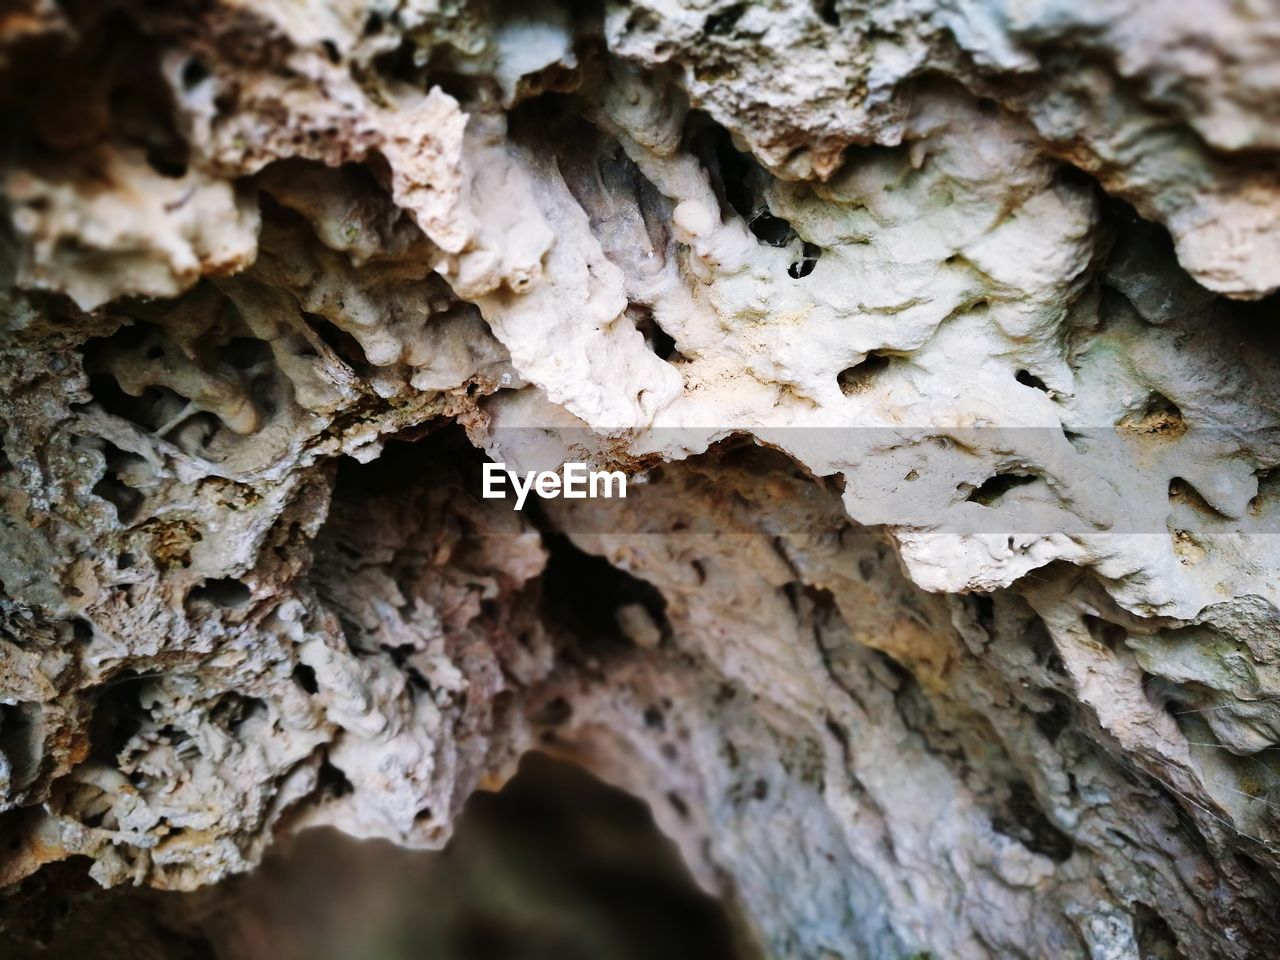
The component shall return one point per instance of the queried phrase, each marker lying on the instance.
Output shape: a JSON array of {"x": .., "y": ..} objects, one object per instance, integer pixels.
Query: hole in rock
[
  {"x": 660, "y": 342},
  {"x": 700, "y": 570},
  {"x": 406, "y": 464},
  {"x": 809, "y": 259},
  {"x": 194, "y": 434},
  {"x": 1182, "y": 492},
  {"x": 346, "y": 347},
  {"x": 984, "y": 611},
  {"x": 1156, "y": 940},
  {"x": 837, "y": 730},
  {"x": 829, "y": 11},
  {"x": 771, "y": 230},
  {"x": 133, "y": 372},
  {"x": 1078, "y": 440},
  {"x": 735, "y": 176},
  {"x": 1056, "y": 719},
  {"x": 992, "y": 490},
  {"x": 1031, "y": 380},
  {"x": 740, "y": 184},
  {"x": 1159, "y": 418},
  {"x": 663, "y": 344},
  {"x": 417, "y": 680},
  {"x": 233, "y": 710},
  {"x": 1110, "y": 635},
  {"x": 226, "y": 592},
  {"x": 168, "y": 160},
  {"x": 584, "y": 593},
  {"x": 654, "y": 719},
  {"x": 155, "y": 407},
  {"x": 305, "y": 677},
  {"x": 245, "y": 353},
  {"x": 859, "y": 377},
  {"x": 555, "y": 864},
  {"x": 400, "y": 64},
  {"x": 194, "y": 73},
  {"x": 21, "y": 737},
  {"x": 1264, "y": 504},
  {"x": 678, "y": 805},
  {"x": 1021, "y": 818},
  {"x": 332, "y": 782},
  {"x": 1070, "y": 175},
  {"x": 113, "y": 488},
  {"x": 117, "y": 715},
  {"x": 1037, "y": 639},
  {"x": 725, "y": 20}
]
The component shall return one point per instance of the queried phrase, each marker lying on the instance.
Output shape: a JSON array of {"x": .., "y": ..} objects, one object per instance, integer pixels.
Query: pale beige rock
[{"x": 111, "y": 225}]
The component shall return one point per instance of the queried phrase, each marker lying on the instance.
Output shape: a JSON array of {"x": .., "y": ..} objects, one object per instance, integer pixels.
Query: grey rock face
[{"x": 940, "y": 616}]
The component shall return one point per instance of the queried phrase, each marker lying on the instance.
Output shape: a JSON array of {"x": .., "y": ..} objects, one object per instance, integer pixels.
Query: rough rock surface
[{"x": 941, "y": 615}]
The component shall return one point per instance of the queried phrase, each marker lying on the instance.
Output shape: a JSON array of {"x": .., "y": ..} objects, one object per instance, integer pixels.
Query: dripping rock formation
[{"x": 937, "y": 341}]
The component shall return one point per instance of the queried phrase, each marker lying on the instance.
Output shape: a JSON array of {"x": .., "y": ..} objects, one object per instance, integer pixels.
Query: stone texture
[{"x": 941, "y": 614}]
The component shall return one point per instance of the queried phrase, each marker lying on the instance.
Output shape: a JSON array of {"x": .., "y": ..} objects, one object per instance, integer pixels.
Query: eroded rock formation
[{"x": 937, "y": 342}]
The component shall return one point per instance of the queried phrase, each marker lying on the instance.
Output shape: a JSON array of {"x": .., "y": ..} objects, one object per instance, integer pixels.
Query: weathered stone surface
[{"x": 941, "y": 615}]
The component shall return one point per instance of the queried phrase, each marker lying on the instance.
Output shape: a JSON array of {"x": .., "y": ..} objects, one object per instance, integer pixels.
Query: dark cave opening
[
  {"x": 438, "y": 451},
  {"x": 583, "y": 593},
  {"x": 992, "y": 490},
  {"x": 555, "y": 864},
  {"x": 860, "y": 377}
]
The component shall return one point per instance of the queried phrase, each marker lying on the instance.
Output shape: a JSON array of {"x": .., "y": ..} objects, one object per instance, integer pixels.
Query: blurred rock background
[{"x": 555, "y": 866}]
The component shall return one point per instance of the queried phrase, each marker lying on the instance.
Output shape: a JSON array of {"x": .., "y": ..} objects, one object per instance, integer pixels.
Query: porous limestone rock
[{"x": 936, "y": 340}]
